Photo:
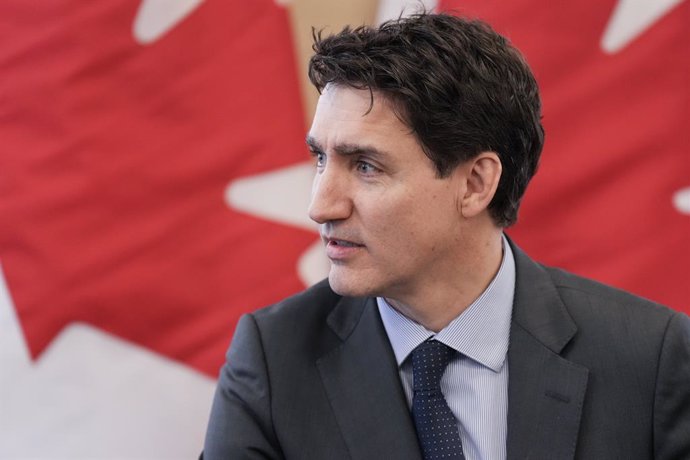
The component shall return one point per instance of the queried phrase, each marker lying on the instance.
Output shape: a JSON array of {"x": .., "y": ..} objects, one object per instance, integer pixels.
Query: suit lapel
[
  {"x": 546, "y": 392},
  {"x": 363, "y": 386}
]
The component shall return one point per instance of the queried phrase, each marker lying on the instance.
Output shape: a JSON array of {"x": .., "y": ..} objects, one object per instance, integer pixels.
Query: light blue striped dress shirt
[{"x": 475, "y": 383}]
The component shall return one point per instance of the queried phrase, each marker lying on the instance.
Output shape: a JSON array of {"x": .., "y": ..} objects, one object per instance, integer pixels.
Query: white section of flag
[
  {"x": 281, "y": 195},
  {"x": 630, "y": 19},
  {"x": 681, "y": 200},
  {"x": 157, "y": 17},
  {"x": 391, "y": 9},
  {"x": 92, "y": 395}
]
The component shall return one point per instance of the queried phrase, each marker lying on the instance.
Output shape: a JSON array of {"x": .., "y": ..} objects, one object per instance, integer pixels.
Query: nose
[{"x": 330, "y": 196}]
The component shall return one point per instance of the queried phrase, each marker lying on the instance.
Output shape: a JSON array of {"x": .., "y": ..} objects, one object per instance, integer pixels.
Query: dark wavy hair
[{"x": 461, "y": 87}]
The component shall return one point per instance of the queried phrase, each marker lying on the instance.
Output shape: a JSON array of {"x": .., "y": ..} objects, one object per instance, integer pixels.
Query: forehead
[{"x": 348, "y": 115}]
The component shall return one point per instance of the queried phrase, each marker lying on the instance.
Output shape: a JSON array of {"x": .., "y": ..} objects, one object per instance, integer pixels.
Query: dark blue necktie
[{"x": 437, "y": 428}]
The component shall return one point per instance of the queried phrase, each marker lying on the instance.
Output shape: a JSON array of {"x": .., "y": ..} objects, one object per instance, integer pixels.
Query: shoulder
[
  {"x": 586, "y": 296},
  {"x": 610, "y": 320},
  {"x": 553, "y": 300},
  {"x": 550, "y": 295}
]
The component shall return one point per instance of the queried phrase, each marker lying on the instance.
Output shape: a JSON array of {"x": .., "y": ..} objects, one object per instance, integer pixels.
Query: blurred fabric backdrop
[{"x": 154, "y": 184}]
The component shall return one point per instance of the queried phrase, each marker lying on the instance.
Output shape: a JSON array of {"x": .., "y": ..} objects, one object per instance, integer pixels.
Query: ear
[{"x": 481, "y": 177}]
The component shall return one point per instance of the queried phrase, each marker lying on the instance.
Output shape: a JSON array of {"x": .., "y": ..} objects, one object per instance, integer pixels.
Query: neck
[{"x": 442, "y": 300}]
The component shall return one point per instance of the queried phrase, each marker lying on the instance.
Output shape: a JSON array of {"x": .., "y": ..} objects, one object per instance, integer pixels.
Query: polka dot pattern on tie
[{"x": 437, "y": 428}]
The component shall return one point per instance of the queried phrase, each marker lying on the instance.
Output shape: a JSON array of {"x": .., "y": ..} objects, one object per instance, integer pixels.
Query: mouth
[
  {"x": 342, "y": 243},
  {"x": 339, "y": 250}
]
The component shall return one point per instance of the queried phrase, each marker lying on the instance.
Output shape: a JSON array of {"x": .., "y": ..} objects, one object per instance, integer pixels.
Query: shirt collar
[{"x": 481, "y": 332}]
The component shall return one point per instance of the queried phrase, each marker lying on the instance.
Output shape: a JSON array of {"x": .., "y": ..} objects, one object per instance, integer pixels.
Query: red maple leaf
[
  {"x": 616, "y": 150},
  {"x": 114, "y": 161}
]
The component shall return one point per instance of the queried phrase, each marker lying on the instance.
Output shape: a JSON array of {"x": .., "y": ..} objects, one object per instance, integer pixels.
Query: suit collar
[
  {"x": 538, "y": 307},
  {"x": 546, "y": 392}
]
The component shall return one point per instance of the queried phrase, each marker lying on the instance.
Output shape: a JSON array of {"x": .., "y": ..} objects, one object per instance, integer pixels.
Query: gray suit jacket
[{"x": 594, "y": 373}]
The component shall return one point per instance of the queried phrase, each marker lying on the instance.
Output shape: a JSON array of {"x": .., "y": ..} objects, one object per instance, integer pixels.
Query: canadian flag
[
  {"x": 122, "y": 125},
  {"x": 153, "y": 187}
]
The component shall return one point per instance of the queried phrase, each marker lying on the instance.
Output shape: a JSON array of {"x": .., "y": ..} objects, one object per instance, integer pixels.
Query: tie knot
[{"x": 429, "y": 361}]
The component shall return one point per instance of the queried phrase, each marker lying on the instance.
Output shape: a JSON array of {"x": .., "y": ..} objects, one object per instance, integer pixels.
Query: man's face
[{"x": 390, "y": 225}]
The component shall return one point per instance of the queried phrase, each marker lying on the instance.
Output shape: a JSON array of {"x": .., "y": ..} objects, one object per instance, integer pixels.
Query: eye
[
  {"x": 367, "y": 168},
  {"x": 320, "y": 159}
]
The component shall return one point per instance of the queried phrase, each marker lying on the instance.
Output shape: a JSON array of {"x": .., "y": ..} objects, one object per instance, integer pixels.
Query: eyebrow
[{"x": 346, "y": 149}]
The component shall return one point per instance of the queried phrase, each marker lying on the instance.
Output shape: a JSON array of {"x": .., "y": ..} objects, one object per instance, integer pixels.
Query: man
[{"x": 434, "y": 335}]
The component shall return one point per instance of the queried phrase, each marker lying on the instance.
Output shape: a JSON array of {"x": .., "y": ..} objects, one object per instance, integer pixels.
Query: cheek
[
  {"x": 402, "y": 229},
  {"x": 388, "y": 224},
  {"x": 399, "y": 220},
  {"x": 429, "y": 224}
]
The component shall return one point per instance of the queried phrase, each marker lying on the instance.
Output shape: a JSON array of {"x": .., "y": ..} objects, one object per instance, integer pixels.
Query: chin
[{"x": 350, "y": 284}]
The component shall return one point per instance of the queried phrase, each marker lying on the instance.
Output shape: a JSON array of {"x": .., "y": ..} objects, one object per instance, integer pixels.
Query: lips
[
  {"x": 340, "y": 250},
  {"x": 342, "y": 243}
]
